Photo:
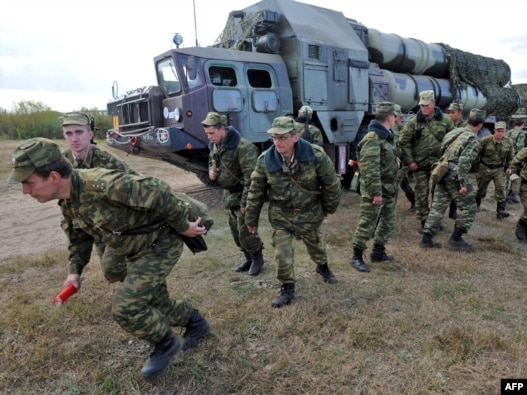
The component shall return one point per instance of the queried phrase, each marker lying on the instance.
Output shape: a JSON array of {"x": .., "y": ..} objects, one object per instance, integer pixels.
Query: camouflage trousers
[
  {"x": 402, "y": 180},
  {"x": 444, "y": 192},
  {"x": 113, "y": 264},
  {"x": 376, "y": 220},
  {"x": 512, "y": 185},
  {"x": 422, "y": 193},
  {"x": 523, "y": 199},
  {"x": 485, "y": 176},
  {"x": 142, "y": 305},
  {"x": 247, "y": 242},
  {"x": 284, "y": 254}
]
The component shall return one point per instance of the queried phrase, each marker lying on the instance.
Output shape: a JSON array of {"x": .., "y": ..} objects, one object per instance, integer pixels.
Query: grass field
[{"x": 431, "y": 322}]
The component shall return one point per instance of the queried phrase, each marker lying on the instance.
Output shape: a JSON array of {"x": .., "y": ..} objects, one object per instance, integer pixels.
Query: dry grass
[{"x": 432, "y": 322}]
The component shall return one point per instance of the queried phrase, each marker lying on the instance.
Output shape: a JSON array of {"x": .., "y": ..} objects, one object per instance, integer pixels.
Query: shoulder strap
[{"x": 302, "y": 188}]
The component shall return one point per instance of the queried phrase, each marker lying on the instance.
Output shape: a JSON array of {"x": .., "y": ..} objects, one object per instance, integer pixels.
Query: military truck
[{"x": 277, "y": 55}]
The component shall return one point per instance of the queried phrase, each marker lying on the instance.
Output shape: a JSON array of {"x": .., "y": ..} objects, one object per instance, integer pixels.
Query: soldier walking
[
  {"x": 303, "y": 188},
  {"x": 231, "y": 162},
  {"x": 519, "y": 167}
]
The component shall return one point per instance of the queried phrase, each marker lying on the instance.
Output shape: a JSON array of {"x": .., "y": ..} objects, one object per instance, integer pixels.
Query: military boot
[
  {"x": 378, "y": 254},
  {"x": 197, "y": 328},
  {"x": 287, "y": 294},
  {"x": 452, "y": 212},
  {"x": 257, "y": 263},
  {"x": 500, "y": 210},
  {"x": 326, "y": 273},
  {"x": 245, "y": 265},
  {"x": 428, "y": 242},
  {"x": 161, "y": 356},
  {"x": 512, "y": 198},
  {"x": 457, "y": 241},
  {"x": 357, "y": 262},
  {"x": 478, "y": 204},
  {"x": 521, "y": 230}
]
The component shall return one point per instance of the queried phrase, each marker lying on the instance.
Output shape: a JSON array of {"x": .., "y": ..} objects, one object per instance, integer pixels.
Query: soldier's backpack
[
  {"x": 441, "y": 167},
  {"x": 196, "y": 209}
]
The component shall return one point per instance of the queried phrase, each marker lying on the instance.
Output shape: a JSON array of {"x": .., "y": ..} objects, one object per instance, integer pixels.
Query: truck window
[
  {"x": 167, "y": 76},
  {"x": 222, "y": 76},
  {"x": 259, "y": 78}
]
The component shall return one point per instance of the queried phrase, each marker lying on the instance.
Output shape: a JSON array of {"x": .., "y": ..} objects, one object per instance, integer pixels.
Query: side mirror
[{"x": 191, "y": 68}]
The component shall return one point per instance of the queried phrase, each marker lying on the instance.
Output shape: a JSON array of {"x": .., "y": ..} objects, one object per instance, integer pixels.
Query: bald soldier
[{"x": 137, "y": 216}]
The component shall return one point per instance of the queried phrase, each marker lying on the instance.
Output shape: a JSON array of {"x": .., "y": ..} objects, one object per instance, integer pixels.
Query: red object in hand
[
  {"x": 61, "y": 298},
  {"x": 353, "y": 163}
]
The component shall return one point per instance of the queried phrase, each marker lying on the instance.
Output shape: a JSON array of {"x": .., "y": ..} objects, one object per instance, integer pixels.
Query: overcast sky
[{"x": 67, "y": 53}]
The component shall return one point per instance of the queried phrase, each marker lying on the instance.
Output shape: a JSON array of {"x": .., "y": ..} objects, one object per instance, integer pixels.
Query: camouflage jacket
[
  {"x": 234, "y": 160},
  {"x": 377, "y": 160},
  {"x": 104, "y": 203},
  {"x": 97, "y": 157},
  {"x": 299, "y": 204},
  {"x": 518, "y": 138},
  {"x": 519, "y": 164},
  {"x": 461, "y": 146},
  {"x": 420, "y": 139},
  {"x": 496, "y": 155},
  {"x": 315, "y": 135}
]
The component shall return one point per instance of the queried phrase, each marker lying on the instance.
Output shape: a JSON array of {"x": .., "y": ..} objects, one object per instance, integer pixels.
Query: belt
[
  {"x": 298, "y": 210},
  {"x": 387, "y": 180},
  {"x": 142, "y": 230},
  {"x": 492, "y": 166}
]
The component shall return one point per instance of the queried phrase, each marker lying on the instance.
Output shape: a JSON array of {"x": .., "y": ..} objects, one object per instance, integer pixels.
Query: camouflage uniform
[
  {"x": 463, "y": 148},
  {"x": 493, "y": 158},
  {"x": 105, "y": 205},
  {"x": 517, "y": 137},
  {"x": 519, "y": 167},
  {"x": 402, "y": 180},
  {"x": 420, "y": 142},
  {"x": 378, "y": 170},
  {"x": 296, "y": 208},
  {"x": 113, "y": 265},
  {"x": 315, "y": 135},
  {"x": 235, "y": 160}
]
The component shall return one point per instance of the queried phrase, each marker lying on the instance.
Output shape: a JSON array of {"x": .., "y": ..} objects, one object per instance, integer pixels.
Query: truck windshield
[{"x": 167, "y": 76}]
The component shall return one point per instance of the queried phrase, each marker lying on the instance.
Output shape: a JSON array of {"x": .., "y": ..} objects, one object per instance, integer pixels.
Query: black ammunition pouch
[{"x": 235, "y": 189}]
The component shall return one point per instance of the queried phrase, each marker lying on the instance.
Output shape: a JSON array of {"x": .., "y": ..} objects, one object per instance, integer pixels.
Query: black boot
[
  {"x": 258, "y": 261},
  {"x": 197, "y": 328},
  {"x": 326, "y": 273},
  {"x": 287, "y": 294},
  {"x": 427, "y": 241},
  {"x": 452, "y": 212},
  {"x": 161, "y": 356},
  {"x": 378, "y": 254},
  {"x": 500, "y": 210},
  {"x": 245, "y": 265},
  {"x": 521, "y": 230},
  {"x": 512, "y": 198},
  {"x": 478, "y": 204},
  {"x": 357, "y": 262},
  {"x": 457, "y": 241}
]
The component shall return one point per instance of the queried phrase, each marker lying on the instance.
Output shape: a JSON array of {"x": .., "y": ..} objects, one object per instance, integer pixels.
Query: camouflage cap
[
  {"x": 214, "y": 118},
  {"x": 305, "y": 109},
  {"x": 500, "y": 125},
  {"x": 426, "y": 97},
  {"x": 455, "y": 107},
  {"x": 282, "y": 125},
  {"x": 75, "y": 118},
  {"x": 385, "y": 106},
  {"x": 397, "y": 109},
  {"x": 30, "y": 155},
  {"x": 477, "y": 113}
]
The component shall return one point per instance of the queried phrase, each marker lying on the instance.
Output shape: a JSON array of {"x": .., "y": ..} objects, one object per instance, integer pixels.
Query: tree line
[{"x": 28, "y": 119}]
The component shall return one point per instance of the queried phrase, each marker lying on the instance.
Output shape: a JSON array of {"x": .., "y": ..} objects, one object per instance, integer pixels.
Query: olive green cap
[
  {"x": 426, "y": 97},
  {"x": 214, "y": 118},
  {"x": 30, "y": 155},
  {"x": 398, "y": 111},
  {"x": 477, "y": 113},
  {"x": 75, "y": 118},
  {"x": 386, "y": 106},
  {"x": 305, "y": 109},
  {"x": 282, "y": 125},
  {"x": 455, "y": 107},
  {"x": 500, "y": 125}
]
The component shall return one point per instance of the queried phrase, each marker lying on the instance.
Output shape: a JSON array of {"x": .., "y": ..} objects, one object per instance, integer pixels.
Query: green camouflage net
[
  {"x": 235, "y": 35},
  {"x": 522, "y": 91},
  {"x": 488, "y": 75}
]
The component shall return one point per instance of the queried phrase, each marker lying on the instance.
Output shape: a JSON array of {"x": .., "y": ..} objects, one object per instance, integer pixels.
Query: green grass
[{"x": 431, "y": 322}]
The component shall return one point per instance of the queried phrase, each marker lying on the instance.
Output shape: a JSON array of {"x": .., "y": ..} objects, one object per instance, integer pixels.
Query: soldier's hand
[
  {"x": 252, "y": 229},
  {"x": 195, "y": 229},
  {"x": 73, "y": 279},
  {"x": 413, "y": 166},
  {"x": 463, "y": 190},
  {"x": 377, "y": 200},
  {"x": 213, "y": 174}
]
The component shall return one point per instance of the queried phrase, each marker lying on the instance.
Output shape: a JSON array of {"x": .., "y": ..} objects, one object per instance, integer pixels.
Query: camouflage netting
[
  {"x": 522, "y": 91},
  {"x": 236, "y": 34},
  {"x": 488, "y": 75}
]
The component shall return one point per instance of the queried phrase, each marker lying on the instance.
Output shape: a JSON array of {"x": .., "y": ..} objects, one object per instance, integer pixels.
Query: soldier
[
  {"x": 495, "y": 155},
  {"x": 517, "y": 135},
  {"x": 455, "y": 112},
  {"x": 303, "y": 188},
  {"x": 306, "y": 129},
  {"x": 231, "y": 162},
  {"x": 378, "y": 169},
  {"x": 420, "y": 142},
  {"x": 402, "y": 180},
  {"x": 141, "y": 219},
  {"x": 461, "y": 147},
  {"x": 519, "y": 167},
  {"x": 78, "y": 132}
]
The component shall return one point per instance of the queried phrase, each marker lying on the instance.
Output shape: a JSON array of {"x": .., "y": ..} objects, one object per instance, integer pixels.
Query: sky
[{"x": 68, "y": 53}]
